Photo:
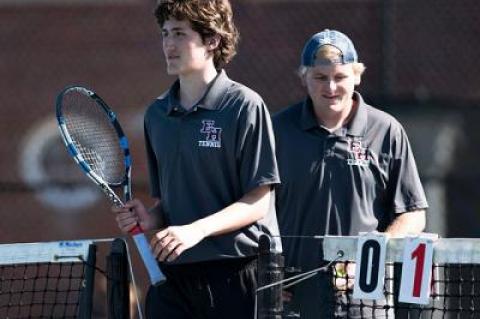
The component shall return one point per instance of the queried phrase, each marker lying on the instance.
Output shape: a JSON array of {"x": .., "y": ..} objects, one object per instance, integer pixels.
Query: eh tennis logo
[
  {"x": 358, "y": 152},
  {"x": 212, "y": 134}
]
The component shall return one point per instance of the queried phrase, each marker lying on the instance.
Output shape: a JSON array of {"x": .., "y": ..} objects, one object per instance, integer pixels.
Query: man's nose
[{"x": 332, "y": 85}]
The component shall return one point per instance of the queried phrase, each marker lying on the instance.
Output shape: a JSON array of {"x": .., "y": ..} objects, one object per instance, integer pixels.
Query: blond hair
[{"x": 330, "y": 53}]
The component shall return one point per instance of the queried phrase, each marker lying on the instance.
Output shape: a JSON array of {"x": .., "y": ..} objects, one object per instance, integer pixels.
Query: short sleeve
[
  {"x": 152, "y": 166},
  {"x": 255, "y": 153},
  {"x": 404, "y": 184}
]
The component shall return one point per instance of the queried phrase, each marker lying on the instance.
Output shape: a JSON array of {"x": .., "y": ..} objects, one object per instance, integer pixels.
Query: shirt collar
[
  {"x": 307, "y": 118},
  {"x": 358, "y": 124},
  {"x": 356, "y": 127},
  {"x": 212, "y": 98}
]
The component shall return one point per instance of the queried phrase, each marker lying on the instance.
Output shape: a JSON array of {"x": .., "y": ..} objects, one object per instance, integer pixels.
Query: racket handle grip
[
  {"x": 136, "y": 230},
  {"x": 154, "y": 272}
]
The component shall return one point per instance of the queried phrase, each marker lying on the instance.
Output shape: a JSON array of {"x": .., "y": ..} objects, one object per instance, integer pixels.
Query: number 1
[
  {"x": 419, "y": 255},
  {"x": 417, "y": 263}
]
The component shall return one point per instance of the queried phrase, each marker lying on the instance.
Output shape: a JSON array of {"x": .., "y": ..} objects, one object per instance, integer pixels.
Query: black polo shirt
[
  {"x": 203, "y": 160},
  {"x": 341, "y": 183}
]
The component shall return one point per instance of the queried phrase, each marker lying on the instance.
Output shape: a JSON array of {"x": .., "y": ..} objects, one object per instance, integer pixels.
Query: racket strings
[{"x": 94, "y": 136}]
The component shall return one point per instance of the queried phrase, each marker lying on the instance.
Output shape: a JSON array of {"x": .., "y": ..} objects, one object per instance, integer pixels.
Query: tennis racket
[{"x": 95, "y": 140}]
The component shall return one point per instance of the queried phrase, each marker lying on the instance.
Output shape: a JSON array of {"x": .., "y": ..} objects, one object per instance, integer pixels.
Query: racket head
[{"x": 95, "y": 140}]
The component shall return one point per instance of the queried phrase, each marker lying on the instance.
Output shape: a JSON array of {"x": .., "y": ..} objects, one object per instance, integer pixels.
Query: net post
[
  {"x": 86, "y": 299},
  {"x": 270, "y": 270},
  {"x": 118, "y": 294}
]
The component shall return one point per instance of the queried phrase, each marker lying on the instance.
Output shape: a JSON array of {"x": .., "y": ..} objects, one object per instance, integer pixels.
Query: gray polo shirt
[
  {"x": 203, "y": 160},
  {"x": 352, "y": 180}
]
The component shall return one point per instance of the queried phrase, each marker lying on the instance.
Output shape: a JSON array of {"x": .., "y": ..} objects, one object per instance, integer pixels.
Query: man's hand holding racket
[
  {"x": 171, "y": 242},
  {"x": 168, "y": 243},
  {"x": 134, "y": 213}
]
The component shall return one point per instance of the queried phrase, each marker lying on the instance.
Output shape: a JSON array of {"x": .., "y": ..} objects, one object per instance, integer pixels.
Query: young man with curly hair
[{"x": 212, "y": 168}]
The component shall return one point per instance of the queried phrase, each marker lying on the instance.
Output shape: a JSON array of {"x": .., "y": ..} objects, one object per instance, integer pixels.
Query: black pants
[{"x": 217, "y": 289}]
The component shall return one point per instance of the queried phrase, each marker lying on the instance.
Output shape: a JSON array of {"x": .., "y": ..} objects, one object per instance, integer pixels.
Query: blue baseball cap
[{"x": 333, "y": 38}]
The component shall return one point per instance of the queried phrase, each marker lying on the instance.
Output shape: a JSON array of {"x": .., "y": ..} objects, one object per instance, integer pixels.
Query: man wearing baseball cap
[{"x": 346, "y": 167}]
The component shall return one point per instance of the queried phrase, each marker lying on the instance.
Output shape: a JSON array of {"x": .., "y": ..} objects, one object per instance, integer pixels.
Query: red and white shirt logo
[{"x": 358, "y": 153}]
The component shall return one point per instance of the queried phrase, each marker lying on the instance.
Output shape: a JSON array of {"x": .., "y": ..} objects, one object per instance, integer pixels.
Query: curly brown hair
[{"x": 208, "y": 18}]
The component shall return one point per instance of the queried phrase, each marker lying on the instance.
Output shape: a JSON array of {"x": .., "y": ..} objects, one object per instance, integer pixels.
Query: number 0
[
  {"x": 369, "y": 275},
  {"x": 370, "y": 270}
]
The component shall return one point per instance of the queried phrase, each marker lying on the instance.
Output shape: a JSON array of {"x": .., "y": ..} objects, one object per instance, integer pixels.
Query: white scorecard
[
  {"x": 417, "y": 269},
  {"x": 370, "y": 266}
]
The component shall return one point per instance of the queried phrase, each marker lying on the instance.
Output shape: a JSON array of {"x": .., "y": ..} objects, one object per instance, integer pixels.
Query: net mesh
[
  {"x": 65, "y": 280},
  {"x": 41, "y": 290},
  {"x": 43, "y": 280},
  {"x": 455, "y": 286},
  {"x": 93, "y": 135}
]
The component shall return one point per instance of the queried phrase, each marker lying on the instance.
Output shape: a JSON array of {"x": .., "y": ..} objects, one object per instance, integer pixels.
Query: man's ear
[
  {"x": 212, "y": 42},
  {"x": 358, "y": 78},
  {"x": 302, "y": 74},
  {"x": 302, "y": 79}
]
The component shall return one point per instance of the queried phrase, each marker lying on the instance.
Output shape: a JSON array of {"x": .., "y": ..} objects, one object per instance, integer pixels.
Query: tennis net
[
  {"x": 454, "y": 288},
  {"x": 50, "y": 280}
]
